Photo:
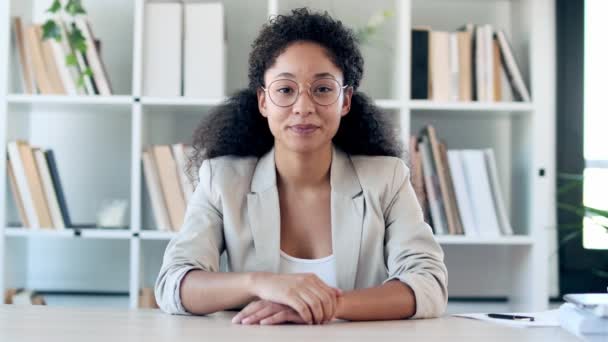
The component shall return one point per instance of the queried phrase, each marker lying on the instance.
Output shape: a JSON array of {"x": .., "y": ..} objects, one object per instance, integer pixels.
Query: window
[{"x": 595, "y": 190}]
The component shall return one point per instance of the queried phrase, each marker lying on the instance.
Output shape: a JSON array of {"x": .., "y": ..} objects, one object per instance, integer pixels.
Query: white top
[{"x": 324, "y": 268}]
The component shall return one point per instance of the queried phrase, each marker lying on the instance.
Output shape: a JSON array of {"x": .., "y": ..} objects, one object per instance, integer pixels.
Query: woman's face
[{"x": 305, "y": 126}]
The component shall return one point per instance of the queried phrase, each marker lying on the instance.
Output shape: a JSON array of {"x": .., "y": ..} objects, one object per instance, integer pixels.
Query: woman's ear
[
  {"x": 348, "y": 96},
  {"x": 262, "y": 101}
]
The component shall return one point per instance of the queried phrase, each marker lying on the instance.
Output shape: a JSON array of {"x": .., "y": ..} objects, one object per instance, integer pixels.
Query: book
[
  {"x": 22, "y": 183},
  {"x": 50, "y": 63},
  {"x": 49, "y": 190},
  {"x": 61, "y": 200},
  {"x": 497, "y": 74},
  {"x": 25, "y": 63},
  {"x": 35, "y": 185},
  {"x": 488, "y": 62},
  {"x": 465, "y": 62},
  {"x": 93, "y": 58},
  {"x": 420, "y": 63},
  {"x": 503, "y": 217},
  {"x": 439, "y": 88},
  {"x": 416, "y": 177},
  {"x": 454, "y": 67},
  {"x": 465, "y": 206},
  {"x": 159, "y": 209},
  {"x": 89, "y": 82},
  {"x": 35, "y": 48},
  {"x": 169, "y": 180},
  {"x": 162, "y": 50},
  {"x": 512, "y": 69},
  {"x": 73, "y": 70},
  {"x": 431, "y": 186},
  {"x": 179, "y": 153},
  {"x": 16, "y": 195},
  {"x": 480, "y": 191},
  {"x": 458, "y": 229},
  {"x": 444, "y": 186},
  {"x": 204, "y": 50}
]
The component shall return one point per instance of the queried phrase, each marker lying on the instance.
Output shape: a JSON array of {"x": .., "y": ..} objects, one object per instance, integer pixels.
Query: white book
[
  {"x": 503, "y": 217},
  {"x": 161, "y": 215},
  {"x": 465, "y": 207},
  {"x": 162, "y": 49},
  {"x": 204, "y": 50},
  {"x": 22, "y": 184},
  {"x": 480, "y": 191},
  {"x": 179, "y": 153},
  {"x": 49, "y": 189},
  {"x": 67, "y": 49},
  {"x": 69, "y": 84},
  {"x": 511, "y": 68},
  {"x": 489, "y": 62},
  {"x": 82, "y": 64},
  {"x": 431, "y": 185},
  {"x": 454, "y": 68},
  {"x": 94, "y": 58},
  {"x": 480, "y": 85}
]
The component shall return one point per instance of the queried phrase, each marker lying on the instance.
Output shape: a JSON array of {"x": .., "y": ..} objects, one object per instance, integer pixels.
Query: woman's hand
[
  {"x": 266, "y": 312},
  {"x": 306, "y": 294}
]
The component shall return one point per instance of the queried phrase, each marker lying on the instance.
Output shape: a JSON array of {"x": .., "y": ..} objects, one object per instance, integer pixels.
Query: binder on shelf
[
  {"x": 162, "y": 49},
  {"x": 204, "y": 50}
]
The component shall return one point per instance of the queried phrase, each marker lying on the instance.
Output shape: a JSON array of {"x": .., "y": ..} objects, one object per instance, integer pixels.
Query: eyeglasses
[{"x": 323, "y": 91}]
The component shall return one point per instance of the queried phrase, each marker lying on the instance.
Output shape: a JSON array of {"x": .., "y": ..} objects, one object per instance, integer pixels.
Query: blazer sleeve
[
  {"x": 198, "y": 245},
  {"x": 411, "y": 253}
]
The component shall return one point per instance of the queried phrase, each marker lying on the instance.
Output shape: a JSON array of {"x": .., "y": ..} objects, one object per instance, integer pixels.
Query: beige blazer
[{"x": 378, "y": 231}]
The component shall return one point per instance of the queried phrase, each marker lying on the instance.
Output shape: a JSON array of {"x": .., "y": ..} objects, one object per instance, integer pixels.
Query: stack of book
[
  {"x": 475, "y": 63},
  {"x": 184, "y": 49},
  {"x": 44, "y": 62},
  {"x": 36, "y": 187},
  {"x": 458, "y": 190},
  {"x": 169, "y": 184}
]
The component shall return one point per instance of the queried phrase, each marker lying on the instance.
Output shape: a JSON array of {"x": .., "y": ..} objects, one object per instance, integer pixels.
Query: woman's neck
[{"x": 303, "y": 170}]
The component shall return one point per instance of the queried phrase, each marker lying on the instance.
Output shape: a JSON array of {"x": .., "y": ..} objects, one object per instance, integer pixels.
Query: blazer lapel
[
  {"x": 347, "y": 208},
  {"x": 264, "y": 214}
]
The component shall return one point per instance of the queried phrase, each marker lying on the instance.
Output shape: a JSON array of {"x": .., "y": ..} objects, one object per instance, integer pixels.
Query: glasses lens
[
  {"x": 283, "y": 92},
  {"x": 325, "y": 91}
]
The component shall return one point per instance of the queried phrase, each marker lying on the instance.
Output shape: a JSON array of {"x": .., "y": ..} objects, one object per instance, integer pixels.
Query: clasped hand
[{"x": 290, "y": 298}]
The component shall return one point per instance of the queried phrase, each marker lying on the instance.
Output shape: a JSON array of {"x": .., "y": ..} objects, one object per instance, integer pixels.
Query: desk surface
[{"x": 55, "y": 324}]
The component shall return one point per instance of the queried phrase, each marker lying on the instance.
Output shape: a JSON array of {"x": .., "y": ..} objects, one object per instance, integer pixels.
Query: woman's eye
[
  {"x": 323, "y": 90},
  {"x": 284, "y": 90}
]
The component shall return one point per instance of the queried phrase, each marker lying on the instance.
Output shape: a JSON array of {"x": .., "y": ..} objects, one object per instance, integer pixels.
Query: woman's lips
[{"x": 303, "y": 129}]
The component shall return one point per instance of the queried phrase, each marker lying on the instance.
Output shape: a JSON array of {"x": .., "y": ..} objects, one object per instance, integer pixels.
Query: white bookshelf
[{"x": 520, "y": 133}]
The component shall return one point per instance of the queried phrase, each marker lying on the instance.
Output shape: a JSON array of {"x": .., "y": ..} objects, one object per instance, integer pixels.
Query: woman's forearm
[
  {"x": 207, "y": 292},
  {"x": 393, "y": 300}
]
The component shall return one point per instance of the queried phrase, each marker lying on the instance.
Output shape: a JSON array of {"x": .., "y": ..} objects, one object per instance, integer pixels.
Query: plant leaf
[
  {"x": 88, "y": 72},
  {"x": 77, "y": 40},
  {"x": 74, "y": 7},
  {"x": 55, "y": 7},
  {"x": 50, "y": 30},
  {"x": 70, "y": 60}
]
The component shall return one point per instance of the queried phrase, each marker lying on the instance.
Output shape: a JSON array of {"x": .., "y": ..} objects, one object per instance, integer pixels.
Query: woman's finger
[
  {"x": 248, "y": 310},
  {"x": 314, "y": 303},
  {"x": 297, "y": 304},
  {"x": 284, "y": 316},
  {"x": 327, "y": 298},
  {"x": 266, "y": 311}
]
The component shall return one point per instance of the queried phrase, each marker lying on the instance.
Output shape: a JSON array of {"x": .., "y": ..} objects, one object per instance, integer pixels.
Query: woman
[{"x": 302, "y": 186}]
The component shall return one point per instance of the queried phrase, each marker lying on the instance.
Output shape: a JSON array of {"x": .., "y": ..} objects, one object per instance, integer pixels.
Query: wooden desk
[{"x": 53, "y": 324}]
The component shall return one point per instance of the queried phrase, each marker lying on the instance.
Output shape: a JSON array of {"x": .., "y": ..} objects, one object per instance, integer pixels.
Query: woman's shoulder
[{"x": 379, "y": 172}]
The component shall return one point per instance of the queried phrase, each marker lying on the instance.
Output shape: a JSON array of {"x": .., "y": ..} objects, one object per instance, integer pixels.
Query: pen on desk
[{"x": 511, "y": 317}]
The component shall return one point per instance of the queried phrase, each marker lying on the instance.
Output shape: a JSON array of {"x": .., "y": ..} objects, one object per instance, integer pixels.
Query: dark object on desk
[{"x": 511, "y": 317}]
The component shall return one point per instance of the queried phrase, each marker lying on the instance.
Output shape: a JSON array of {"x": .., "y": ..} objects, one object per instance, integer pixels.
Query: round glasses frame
[{"x": 307, "y": 90}]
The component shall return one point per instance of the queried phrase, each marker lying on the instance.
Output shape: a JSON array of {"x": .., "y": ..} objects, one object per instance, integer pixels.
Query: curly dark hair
[{"x": 237, "y": 128}]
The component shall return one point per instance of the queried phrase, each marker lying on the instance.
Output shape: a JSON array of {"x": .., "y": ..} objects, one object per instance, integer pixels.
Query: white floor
[{"x": 120, "y": 301}]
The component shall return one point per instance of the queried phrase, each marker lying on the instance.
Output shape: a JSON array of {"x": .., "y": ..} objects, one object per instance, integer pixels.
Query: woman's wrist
[
  {"x": 340, "y": 307},
  {"x": 253, "y": 282}
]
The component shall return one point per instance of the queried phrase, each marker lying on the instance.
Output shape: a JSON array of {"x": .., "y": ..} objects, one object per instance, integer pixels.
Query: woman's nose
[{"x": 304, "y": 104}]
